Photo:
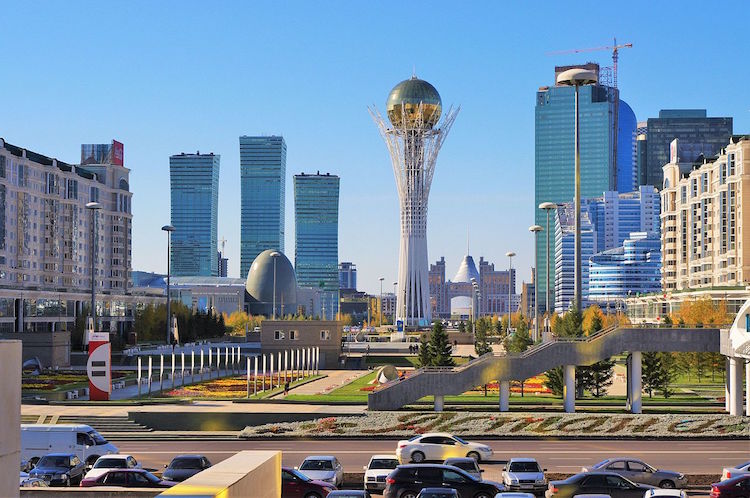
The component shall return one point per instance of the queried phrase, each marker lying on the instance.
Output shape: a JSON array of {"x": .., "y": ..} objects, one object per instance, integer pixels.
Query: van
[{"x": 38, "y": 440}]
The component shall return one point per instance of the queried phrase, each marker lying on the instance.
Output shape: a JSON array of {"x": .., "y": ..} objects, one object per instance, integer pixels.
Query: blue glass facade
[
  {"x": 554, "y": 154},
  {"x": 262, "y": 197},
  {"x": 627, "y": 180},
  {"x": 316, "y": 237},
  {"x": 634, "y": 268},
  {"x": 195, "y": 207},
  {"x": 564, "y": 256}
]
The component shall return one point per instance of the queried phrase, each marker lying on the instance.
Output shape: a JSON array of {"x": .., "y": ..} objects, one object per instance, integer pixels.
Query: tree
[
  {"x": 440, "y": 348},
  {"x": 424, "y": 358},
  {"x": 570, "y": 325},
  {"x": 519, "y": 341},
  {"x": 461, "y": 327},
  {"x": 481, "y": 346},
  {"x": 555, "y": 381},
  {"x": 600, "y": 374},
  {"x": 592, "y": 319},
  {"x": 657, "y": 372}
]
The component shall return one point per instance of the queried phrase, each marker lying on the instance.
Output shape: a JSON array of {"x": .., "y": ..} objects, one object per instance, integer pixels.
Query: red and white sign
[
  {"x": 118, "y": 153},
  {"x": 99, "y": 366}
]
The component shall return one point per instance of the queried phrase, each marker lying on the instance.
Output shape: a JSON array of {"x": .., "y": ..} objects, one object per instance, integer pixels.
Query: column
[
  {"x": 726, "y": 384},
  {"x": 569, "y": 388},
  {"x": 747, "y": 389},
  {"x": 635, "y": 382},
  {"x": 439, "y": 401},
  {"x": 271, "y": 370},
  {"x": 504, "y": 395},
  {"x": 263, "y": 386},
  {"x": 736, "y": 365}
]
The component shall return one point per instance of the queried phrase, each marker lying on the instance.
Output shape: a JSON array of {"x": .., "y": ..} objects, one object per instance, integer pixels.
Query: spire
[
  {"x": 467, "y": 240},
  {"x": 414, "y": 71}
]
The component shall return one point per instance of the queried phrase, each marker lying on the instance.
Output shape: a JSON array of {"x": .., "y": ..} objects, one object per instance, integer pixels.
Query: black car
[
  {"x": 59, "y": 469},
  {"x": 407, "y": 480},
  {"x": 596, "y": 483},
  {"x": 183, "y": 466}
]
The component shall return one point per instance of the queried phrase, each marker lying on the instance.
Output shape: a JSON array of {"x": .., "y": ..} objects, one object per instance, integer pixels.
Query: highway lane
[{"x": 691, "y": 457}]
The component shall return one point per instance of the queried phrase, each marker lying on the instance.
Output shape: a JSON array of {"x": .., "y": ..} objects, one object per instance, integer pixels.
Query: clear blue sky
[{"x": 166, "y": 77}]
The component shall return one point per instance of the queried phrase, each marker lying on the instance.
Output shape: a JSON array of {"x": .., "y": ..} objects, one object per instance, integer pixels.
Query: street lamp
[
  {"x": 275, "y": 256},
  {"x": 169, "y": 229},
  {"x": 577, "y": 78},
  {"x": 510, "y": 284},
  {"x": 547, "y": 206},
  {"x": 535, "y": 229},
  {"x": 474, "y": 314},
  {"x": 394, "y": 302},
  {"x": 93, "y": 207},
  {"x": 380, "y": 311}
]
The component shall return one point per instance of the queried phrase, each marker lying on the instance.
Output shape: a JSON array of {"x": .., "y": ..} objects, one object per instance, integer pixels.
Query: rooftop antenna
[
  {"x": 414, "y": 71},
  {"x": 467, "y": 241}
]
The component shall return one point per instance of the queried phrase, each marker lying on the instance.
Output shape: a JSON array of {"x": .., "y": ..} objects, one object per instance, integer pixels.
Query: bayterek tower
[{"x": 414, "y": 137}]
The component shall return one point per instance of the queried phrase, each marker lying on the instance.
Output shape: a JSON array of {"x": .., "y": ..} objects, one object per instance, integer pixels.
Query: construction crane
[{"x": 614, "y": 48}]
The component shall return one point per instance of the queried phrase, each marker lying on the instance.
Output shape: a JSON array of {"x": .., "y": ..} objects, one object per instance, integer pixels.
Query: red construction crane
[{"x": 614, "y": 48}]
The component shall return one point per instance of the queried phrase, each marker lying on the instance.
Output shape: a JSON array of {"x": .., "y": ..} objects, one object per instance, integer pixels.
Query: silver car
[
  {"x": 524, "y": 474},
  {"x": 323, "y": 468},
  {"x": 640, "y": 472}
]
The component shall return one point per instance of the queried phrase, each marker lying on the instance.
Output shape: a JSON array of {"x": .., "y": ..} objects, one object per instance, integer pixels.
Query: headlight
[
  {"x": 541, "y": 481},
  {"x": 681, "y": 476}
]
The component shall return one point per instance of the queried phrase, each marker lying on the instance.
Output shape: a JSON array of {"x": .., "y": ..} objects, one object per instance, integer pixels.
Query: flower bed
[
  {"x": 513, "y": 425},
  {"x": 230, "y": 387},
  {"x": 57, "y": 380}
]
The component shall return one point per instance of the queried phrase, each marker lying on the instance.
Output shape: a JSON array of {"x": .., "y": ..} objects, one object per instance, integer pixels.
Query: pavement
[{"x": 333, "y": 379}]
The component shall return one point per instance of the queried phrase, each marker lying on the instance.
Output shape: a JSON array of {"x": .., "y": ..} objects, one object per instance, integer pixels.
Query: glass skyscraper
[
  {"x": 627, "y": 177},
  {"x": 631, "y": 269},
  {"x": 262, "y": 197},
  {"x": 554, "y": 154},
  {"x": 316, "y": 237},
  {"x": 195, "y": 208}
]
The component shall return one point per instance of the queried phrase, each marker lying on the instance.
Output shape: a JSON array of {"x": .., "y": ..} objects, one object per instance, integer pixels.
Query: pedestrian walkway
[{"x": 333, "y": 380}]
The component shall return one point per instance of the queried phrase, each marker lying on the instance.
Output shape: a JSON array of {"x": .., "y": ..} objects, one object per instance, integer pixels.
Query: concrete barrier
[
  {"x": 248, "y": 473},
  {"x": 98, "y": 492},
  {"x": 10, "y": 414}
]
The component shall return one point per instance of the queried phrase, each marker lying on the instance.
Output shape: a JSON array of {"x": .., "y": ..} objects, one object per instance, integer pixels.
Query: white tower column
[
  {"x": 736, "y": 365},
  {"x": 635, "y": 382},
  {"x": 569, "y": 388},
  {"x": 504, "y": 395}
]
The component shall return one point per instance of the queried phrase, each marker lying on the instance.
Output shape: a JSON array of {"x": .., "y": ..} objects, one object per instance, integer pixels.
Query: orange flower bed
[{"x": 230, "y": 387}]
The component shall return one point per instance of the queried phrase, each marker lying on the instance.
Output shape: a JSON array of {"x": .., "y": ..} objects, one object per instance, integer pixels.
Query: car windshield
[
  {"x": 186, "y": 463},
  {"x": 54, "y": 461},
  {"x": 383, "y": 463},
  {"x": 151, "y": 477},
  {"x": 414, "y": 438},
  {"x": 600, "y": 464},
  {"x": 110, "y": 463},
  {"x": 469, "y": 466},
  {"x": 524, "y": 467},
  {"x": 98, "y": 439},
  {"x": 742, "y": 465},
  {"x": 460, "y": 440},
  {"x": 316, "y": 465}
]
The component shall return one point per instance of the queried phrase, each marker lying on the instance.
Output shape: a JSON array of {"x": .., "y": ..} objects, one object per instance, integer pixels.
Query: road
[{"x": 690, "y": 457}]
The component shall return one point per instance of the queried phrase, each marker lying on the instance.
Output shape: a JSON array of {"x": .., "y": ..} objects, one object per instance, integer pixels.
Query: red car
[
  {"x": 736, "y": 487},
  {"x": 129, "y": 478},
  {"x": 295, "y": 484}
]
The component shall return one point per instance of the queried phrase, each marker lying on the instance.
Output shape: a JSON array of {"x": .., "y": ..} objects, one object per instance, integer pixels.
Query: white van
[{"x": 38, "y": 440}]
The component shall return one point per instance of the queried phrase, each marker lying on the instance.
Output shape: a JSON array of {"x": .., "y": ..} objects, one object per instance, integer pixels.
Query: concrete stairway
[
  {"x": 106, "y": 425},
  {"x": 443, "y": 381}
]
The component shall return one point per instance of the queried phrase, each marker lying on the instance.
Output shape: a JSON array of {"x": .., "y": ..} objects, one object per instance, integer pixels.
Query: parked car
[
  {"x": 31, "y": 482},
  {"x": 439, "y": 446},
  {"x": 510, "y": 494},
  {"x": 596, "y": 483},
  {"x": 104, "y": 463},
  {"x": 377, "y": 470},
  {"x": 129, "y": 478},
  {"x": 672, "y": 493},
  {"x": 740, "y": 470},
  {"x": 25, "y": 465},
  {"x": 295, "y": 484},
  {"x": 736, "y": 487},
  {"x": 349, "y": 493},
  {"x": 59, "y": 469},
  {"x": 468, "y": 465},
  {"x": 438, "y": 493},
  {"x": 38, "y": 440},
  {"x": 323, "y": 468},
  {"x": 524, "y": 474},
  {"x": 184, "y": 466},
  {"x": 639, "y": 471},
  {"x": 407, "y": 480}
]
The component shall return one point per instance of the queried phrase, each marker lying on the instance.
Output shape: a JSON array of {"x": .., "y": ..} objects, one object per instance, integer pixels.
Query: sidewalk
[{"x": 334, "y": 379}]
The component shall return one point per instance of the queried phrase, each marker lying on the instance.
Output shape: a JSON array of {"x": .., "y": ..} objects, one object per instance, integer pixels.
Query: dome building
[{"x": 260, "y": 285}]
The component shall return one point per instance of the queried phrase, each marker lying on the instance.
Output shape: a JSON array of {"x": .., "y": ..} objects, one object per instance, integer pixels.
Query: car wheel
[
  {"x": 417, "y": 457},
  {"x": 482, "y": 495},
  {"x": 667, "y": 484},
  {"x": 408, "y": 494},
  {"x": 312, "y": 495},
  {"x": 475, "y": 456}
]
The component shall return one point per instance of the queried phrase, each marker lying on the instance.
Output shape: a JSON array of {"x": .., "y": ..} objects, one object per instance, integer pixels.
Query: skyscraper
[
  {"x": 627, "y": 174},
  {"x": 316, "y": 236},
  {"x": 347, "y": 275},
  {"x": 697, "y": 134},
  {"x": 195, "y": 208},
  {"x": 262, "y": 197},
  {"x": 554, "y": 153}
]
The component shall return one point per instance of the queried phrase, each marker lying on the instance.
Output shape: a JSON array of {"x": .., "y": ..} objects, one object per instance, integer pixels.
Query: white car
[
  {"x": 439, "y": 446},
  {"x": 377, "y": 470},
  {"x": 323, "y": 468},
  {"x": 673, "y": 493},
  {"x": 106, "y": 462},
  {"x": 524, "y": 474},
  {"x": 740, "y": 470}
]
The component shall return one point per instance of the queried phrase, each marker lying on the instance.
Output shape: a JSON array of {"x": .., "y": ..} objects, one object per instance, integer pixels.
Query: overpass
[{"x": 559, "y": 352}]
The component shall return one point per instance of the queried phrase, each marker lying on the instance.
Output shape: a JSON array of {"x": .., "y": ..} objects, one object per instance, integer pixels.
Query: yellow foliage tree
[
  {"x": 702, "y": 312},
  {"x": 588, "y": 317}
]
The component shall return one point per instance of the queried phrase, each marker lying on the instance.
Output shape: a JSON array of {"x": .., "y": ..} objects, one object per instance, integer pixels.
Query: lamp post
[
  {"x": 547, "y": 206},
  {"x": 275, "y": 256},
  {"x": 577, "y": 78},
  {"x": 473, "y": 306},
  {"x": 510, "y": 285},
  {"x": 380, "y": 311},
  {"x": 535, "y": 229},
  {"x": 394, "y": 302},
  {"x": 93, "y": 207},
  {"x": 169, "y": 229}
]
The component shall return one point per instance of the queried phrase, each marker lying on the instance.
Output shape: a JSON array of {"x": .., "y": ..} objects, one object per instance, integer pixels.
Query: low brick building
[{"x": 283, "y": 335}]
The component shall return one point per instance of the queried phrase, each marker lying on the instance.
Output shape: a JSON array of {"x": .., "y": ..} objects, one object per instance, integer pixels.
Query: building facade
[
  {"x": 262, "y": 197},
  {"x": 316, "y": 236},
  {"x": 564, "y": 256},
  {"x": 703, "y": 243},
  {"x": 347, "y": 275},
  {"x": 527, "y": 295},
  {"x": 278, "y": 336},
  {"x": 697, "y": 134},
  {"x": 194, "y": 182},
  {"x": 627, "y": 172}
]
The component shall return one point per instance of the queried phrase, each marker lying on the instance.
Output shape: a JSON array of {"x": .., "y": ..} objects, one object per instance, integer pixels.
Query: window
[
  {"x": 594, "y": 482},
  {"x": 139, "y": 479},
  {"x": 83, "y": 439},
  {"x": 453, "y": 476},
  {"x": 293, "y": 335},
  {"x": 325, "y": 335},
  {"x": 2, "y": 166},
  {"x": 637, "y": 467},
  {"x": 116, "y": 478},
  {"x": 278, "y": 335}
]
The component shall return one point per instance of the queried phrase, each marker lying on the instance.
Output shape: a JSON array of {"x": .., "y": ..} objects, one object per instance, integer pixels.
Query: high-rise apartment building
[
  {"x": 554, "y": 151},
  {"x": 262, "y": 197},
  {"x": 347, "y": 275},
  {"x": 316, "y": 236},
  {"x": 703, "y": 212},
  {"x": 697, "y": 135},
  {"x": 195, "y": 207}
]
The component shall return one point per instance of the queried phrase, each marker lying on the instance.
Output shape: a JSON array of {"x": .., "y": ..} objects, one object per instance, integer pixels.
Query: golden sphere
[{"x": 404, "y": 103}]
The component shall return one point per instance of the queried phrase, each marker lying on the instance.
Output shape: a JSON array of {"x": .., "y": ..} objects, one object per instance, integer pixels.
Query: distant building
[
  {"x": 527, "y": 296},
  {"x": 388, "y": 306},
  {"x": 347, "y": 276},
  {"x": 194, "y": 180},
  {"x": 278, "y": 336},
  {"x": 565, "y": 256},
  {"x": 316, "y": 236},
  {"x": 262, "y": 197},
  {"x": 223, "y": 264},
  {"x": 697, "y": 134},
  {"x": 627, "y": 172}
]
